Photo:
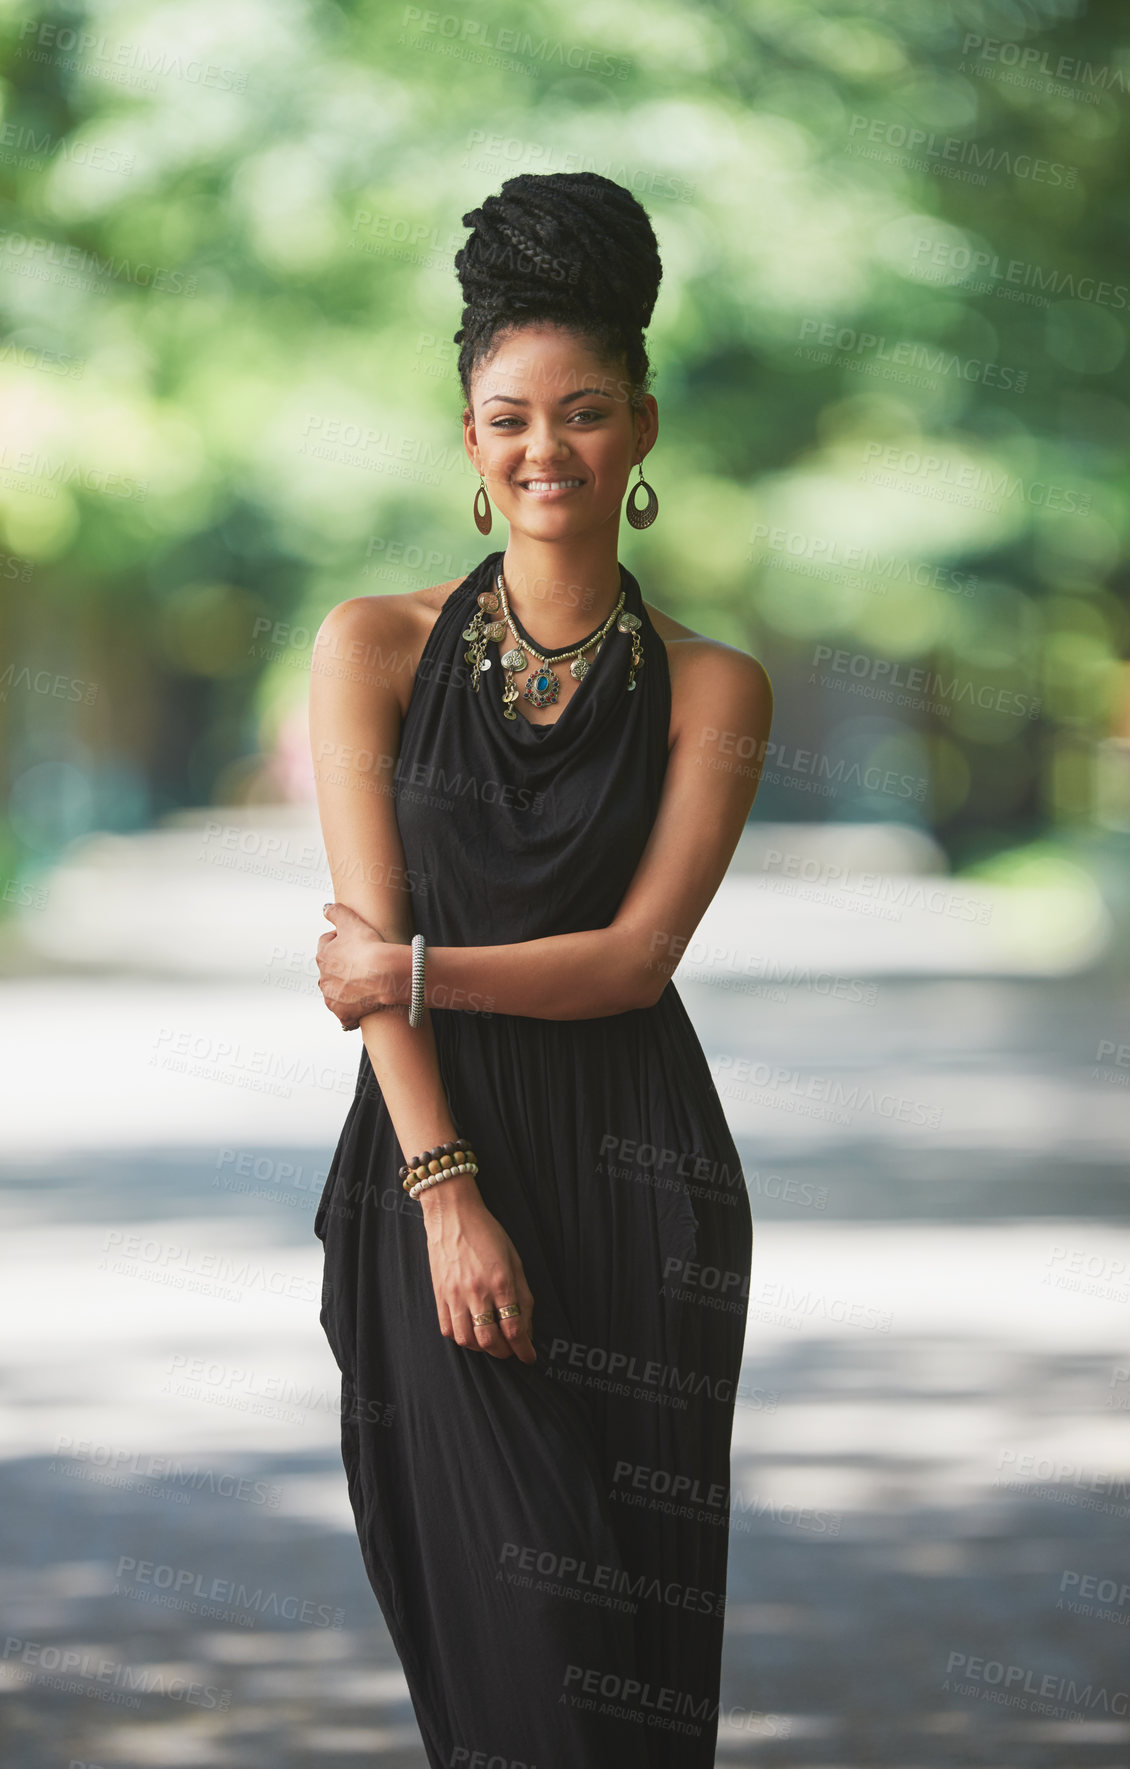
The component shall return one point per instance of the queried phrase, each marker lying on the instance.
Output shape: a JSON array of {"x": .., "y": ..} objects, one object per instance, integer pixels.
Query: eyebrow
[{"x": 581, "y": 393}]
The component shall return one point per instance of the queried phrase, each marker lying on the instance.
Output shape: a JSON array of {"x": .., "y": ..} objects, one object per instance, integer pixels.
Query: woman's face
[{"x": 551, "y": 430}]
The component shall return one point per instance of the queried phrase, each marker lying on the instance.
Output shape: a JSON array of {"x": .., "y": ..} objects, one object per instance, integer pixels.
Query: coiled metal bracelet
[{"x": 416, "y": 1005}]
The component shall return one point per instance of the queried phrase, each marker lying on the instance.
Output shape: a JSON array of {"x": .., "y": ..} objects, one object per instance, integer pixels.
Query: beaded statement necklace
[{"x": 542, "y": 684}]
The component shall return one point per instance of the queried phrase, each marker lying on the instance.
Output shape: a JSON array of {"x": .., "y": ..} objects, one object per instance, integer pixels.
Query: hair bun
[{"x": 572, "y": 246}]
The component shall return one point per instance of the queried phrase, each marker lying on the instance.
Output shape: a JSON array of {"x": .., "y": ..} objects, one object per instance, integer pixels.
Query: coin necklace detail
[{"x": 543, "y": 684}]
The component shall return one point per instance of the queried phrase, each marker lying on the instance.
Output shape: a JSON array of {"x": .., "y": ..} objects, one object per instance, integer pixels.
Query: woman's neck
[{"x": 559, "y": 594}]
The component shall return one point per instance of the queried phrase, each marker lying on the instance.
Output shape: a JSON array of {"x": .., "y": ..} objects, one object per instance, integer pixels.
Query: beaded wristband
[
  {"x": 422, "y": 1185},
  {"x": 458, "y": 1148},
  {"x": 445, "y": 1162},
  {"x": 442, "y": 1169}
]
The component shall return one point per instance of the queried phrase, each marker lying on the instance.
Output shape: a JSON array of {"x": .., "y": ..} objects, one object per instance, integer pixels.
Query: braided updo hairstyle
[{"x": 572, "y": 248}]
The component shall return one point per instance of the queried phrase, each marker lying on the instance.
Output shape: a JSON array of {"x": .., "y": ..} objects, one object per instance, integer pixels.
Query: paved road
[{"x": 930, "y": 1560}]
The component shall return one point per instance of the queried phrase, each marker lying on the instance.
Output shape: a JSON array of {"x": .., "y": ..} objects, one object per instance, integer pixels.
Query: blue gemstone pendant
[{"x": 542, "y": 686}]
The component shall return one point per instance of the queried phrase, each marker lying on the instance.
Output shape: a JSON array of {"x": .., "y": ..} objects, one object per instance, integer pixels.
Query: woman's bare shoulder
[
  {"x": 385, "y": 633},
  {"x": 701, "y": 668},
  {"x": 395, "y": 610}
]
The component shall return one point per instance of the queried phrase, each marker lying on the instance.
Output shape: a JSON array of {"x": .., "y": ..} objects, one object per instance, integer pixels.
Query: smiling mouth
[{"x": 549, "y": 484}]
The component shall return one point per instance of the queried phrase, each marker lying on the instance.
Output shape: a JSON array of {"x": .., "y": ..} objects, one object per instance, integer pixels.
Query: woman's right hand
[{"x": 475, "y": 1267}]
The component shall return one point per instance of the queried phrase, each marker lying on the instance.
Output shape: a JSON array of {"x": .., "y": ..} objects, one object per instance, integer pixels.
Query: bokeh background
[{"x": 891, "y": 363}]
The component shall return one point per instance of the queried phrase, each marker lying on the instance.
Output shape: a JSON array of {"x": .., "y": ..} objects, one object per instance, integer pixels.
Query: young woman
[{"x": 545, "y": 777}]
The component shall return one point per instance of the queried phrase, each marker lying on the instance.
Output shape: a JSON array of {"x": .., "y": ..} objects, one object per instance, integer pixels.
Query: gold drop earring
[{"x": 645, "y": 517}]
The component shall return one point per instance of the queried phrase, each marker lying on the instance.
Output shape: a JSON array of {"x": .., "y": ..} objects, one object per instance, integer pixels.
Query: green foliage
[{"x": 890, "y": 349}]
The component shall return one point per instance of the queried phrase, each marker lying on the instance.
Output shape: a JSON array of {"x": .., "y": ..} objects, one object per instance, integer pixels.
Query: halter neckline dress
[{"x": 547, "y": 1542}]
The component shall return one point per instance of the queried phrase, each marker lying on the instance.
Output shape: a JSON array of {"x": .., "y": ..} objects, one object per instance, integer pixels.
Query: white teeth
[{"x": 549, "y": 484}]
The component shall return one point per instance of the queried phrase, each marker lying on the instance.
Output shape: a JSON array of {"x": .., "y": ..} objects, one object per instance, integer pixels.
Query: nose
[{"x": 546, "y": 450}]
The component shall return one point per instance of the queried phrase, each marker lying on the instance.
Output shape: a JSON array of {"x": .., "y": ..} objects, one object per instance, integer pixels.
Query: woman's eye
[{"x": 505, "y": 422}]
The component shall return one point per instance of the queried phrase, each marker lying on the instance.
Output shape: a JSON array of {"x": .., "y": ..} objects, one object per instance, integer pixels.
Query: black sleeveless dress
[{"x": 547, "y": 1541}]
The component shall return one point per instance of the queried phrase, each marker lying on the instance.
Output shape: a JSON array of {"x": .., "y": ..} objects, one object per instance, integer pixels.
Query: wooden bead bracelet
[{"x": 438, "y": 1163}]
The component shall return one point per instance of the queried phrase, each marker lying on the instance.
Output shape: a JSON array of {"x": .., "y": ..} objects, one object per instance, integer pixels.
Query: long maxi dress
[{"x": 547, "y": 1542}]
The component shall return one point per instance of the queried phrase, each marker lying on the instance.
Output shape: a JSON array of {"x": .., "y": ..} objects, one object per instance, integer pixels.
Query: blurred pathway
[{"x": 930, "y": 1560}]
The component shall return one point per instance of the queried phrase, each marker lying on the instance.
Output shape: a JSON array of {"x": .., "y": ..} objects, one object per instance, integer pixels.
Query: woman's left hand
[{"x": 355, "y": 972}]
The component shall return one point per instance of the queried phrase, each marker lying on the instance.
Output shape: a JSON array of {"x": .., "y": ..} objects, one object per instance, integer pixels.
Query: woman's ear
[{"x": 470, "y": 440}]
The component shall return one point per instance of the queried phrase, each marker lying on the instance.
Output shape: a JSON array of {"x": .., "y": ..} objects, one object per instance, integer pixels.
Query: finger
[
  {"x": 444, "y": 1314},
  {"x": 341, "y": 915},
  {"x": 464, "y": 1327},
  {"x": 487, "y": 1334},
  {"x": 516, "y": 1329},
  {"x": 490, "y": 1335}
]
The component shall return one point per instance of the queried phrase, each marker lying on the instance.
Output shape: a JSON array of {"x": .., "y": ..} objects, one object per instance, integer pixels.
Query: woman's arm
[
  {"x": 724, "y": 714},
  {"x": 355, "y": 719}
]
